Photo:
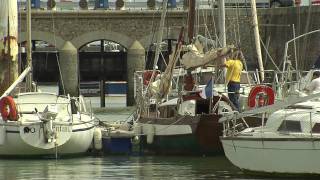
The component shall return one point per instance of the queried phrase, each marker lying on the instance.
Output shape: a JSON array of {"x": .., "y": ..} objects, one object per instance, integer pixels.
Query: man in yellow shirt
[{"x": 234, "y": 67}]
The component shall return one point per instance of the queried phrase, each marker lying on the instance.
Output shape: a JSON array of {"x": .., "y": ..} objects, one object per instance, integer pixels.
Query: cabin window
[
  {"x": 290, "y": 126},
  {"x": 316, "y": 128}
]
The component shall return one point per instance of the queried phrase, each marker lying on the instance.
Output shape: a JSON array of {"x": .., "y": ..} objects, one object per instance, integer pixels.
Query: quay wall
[
  {"x": 128, "y": 26},
  {"x": 139, "y": 27}
]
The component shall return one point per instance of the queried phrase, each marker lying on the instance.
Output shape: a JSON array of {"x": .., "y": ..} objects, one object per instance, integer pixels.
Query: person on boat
[
  {"x": 314, "y": 85},
  {"x": 189, "y": 82},
  {"x": 234, "y": 67}
]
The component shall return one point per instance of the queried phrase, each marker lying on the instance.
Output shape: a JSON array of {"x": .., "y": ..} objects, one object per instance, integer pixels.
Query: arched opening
[
  {"x": 103, "y": 60},
  {"x": 44, "y": 61}
]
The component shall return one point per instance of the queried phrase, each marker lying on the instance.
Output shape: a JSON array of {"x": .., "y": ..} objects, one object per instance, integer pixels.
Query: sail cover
[
  {"x": 8, "y": 29},
  {"x": 195, "y": 58}
]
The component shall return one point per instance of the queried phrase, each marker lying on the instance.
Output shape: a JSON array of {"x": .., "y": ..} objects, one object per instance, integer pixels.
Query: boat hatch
[{"x": 299, "y": 106}]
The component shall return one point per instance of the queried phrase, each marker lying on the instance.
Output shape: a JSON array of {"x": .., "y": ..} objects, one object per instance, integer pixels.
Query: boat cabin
[{"x": 300, "y": 118}]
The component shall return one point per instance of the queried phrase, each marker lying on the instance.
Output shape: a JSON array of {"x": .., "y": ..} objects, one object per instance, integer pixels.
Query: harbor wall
[
  {"x": 276, "y": 25},
  {"x": 128, "y": 26}
]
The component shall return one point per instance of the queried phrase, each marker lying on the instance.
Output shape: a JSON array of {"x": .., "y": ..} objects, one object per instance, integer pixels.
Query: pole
[
  {"x": 191, "y": 15},
  {"x": 29, "y": 46},
  {"x": 222, "y": 35},
  {"x": 102, "y": 93},
  {"x": 102, "y": 76},
  {"x": 159, "y": 38},
  {"x": 257, "y": 38},
  {"x": 222, "y": 24}
]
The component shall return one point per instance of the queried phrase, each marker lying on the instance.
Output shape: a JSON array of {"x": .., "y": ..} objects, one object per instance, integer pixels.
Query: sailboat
[
  {"x": 183, "y": 124},
  {"x": 34, "y": 123},
  {"x": 287, "y": 144}
]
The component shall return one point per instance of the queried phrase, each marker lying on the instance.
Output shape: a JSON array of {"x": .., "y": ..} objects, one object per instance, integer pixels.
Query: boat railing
[
  {"x": 234, "y": 126},
  {"x": 85, "y": 106},
  {"x": 41, "y": 107}
]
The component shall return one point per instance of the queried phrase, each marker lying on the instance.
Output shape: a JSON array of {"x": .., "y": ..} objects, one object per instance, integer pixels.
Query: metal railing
[{"x": 111, "y": 5}]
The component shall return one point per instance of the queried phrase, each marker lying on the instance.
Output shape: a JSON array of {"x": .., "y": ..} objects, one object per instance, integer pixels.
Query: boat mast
[
  {"x": 159, "y": 38},
  {"x": 29, "y": 46},
  {"x": 8, "y": 44},
  {"x": 191, "y": 15},
  {"x": 257, "y": 38},
  {"x": 222, "y": 24}
]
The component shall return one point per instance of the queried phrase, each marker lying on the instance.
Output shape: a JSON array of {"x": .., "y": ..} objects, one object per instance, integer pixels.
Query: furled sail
[
  {"x": 195, "y": 58},
  {"x": 8, "y": 43},
  {"x": 166, "y": 78},
  {"x": 8, "y": 29}
]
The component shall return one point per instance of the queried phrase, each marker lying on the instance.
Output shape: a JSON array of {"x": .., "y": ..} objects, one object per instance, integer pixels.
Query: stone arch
[
  {"x": 83, "y": 39},
  {"x": 168, "y": 33},
  {"x": 44, "y": 36}
]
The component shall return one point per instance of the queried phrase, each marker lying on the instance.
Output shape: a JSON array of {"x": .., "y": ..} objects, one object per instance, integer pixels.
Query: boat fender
[
  {"x": 97, "y": 139},
  {"x": 261, "y": 95},
  {"x": 150, "y": 133},
  {"x": 137, "y": 130},
  {"x": 8, "y": 109}
]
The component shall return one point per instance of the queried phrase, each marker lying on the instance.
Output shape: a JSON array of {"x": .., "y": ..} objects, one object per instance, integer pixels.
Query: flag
[{"x": 207, "y": 90}]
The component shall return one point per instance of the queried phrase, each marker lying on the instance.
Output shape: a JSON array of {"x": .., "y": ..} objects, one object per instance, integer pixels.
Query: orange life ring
[
  {"x": 10, "y": 113},
  {"x": 261, "y": 95}
]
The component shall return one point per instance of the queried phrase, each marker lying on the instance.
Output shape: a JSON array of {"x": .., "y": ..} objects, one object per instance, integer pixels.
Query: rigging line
[
  {"x": 238, "y": 25},
  {"x": 197, "y": 19},
  {"x": 57, "y": 58},
  {"x": 204, "y": 16},
  {"x": 19, "y": 45},
  {"x": 159, "y": 40},
  {"x": 214, "y": 23},
  {"x": 270, "y": 57},
  {"x": 305, "y": 39},
  {"x": 250, "y": 29}
]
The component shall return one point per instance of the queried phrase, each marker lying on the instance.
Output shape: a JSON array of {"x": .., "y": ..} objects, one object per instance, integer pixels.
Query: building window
[{"x": 290, "y": 126}]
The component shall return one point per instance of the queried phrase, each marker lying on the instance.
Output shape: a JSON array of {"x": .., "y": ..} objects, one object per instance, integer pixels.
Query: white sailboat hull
[
  {"x": 79, "y": 142},
  {"x": 288, "y": 156},
  {"x": 46, "y": 125}
]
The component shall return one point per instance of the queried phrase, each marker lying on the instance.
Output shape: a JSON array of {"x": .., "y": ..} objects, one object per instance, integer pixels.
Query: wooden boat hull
[{"x": 189, "y": 135}]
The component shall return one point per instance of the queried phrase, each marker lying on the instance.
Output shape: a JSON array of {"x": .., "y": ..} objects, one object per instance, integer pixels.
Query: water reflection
[{"x": 122, "y": 167}]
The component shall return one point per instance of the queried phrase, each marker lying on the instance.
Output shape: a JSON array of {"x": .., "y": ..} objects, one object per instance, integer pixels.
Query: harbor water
[{"x": 121, "y": 166}]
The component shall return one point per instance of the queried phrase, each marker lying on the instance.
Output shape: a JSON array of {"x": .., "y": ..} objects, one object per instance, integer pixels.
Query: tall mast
[
  {"x": 191, "y": 17},
  {"x": 222, "y": 36},
  {"x": 8, "y": 44},
  {"x": 257, "y": 38},
  {"x": 159, "y": 38},
  {"x": 29, "y": 46},
  {"x": 222, "y": 24}
]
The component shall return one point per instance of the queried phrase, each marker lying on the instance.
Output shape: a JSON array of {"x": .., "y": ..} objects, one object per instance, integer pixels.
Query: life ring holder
[
  {"x": 265, "y": 93},
  {"x": 11, "y": 113}
]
